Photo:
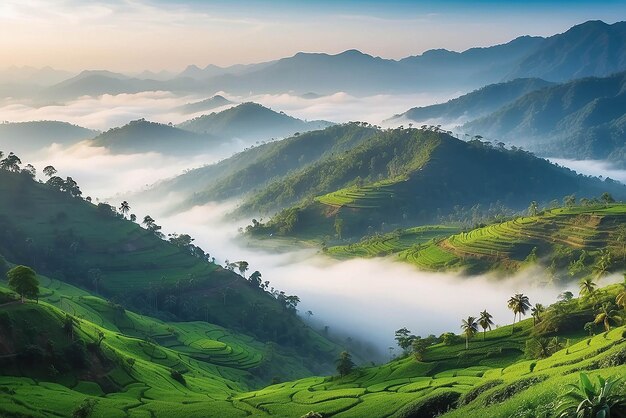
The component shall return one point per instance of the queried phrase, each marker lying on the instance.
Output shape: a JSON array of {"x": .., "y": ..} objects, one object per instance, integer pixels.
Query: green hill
[
  {"x": 473, "y": 105},
  {"x": 204, "y": 105},
  {"x": 249, "y": 170},
  {"x": 570, "y": 242},
  {"x": 582, "y": 119},
  {"x": 196, "y": 369},
  {"x": 410, "y": 177},
  {"x": 250, "y": 122},
  {"x": 144, "y": 136},
  {"x": 91, "y": 246}
]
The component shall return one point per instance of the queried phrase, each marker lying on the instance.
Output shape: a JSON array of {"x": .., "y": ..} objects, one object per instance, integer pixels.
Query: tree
[
  {"x": 536, "y": 312},
  {"x": 607, "y": 198},
  {"x": 603, "y": 265},
  {"x": 566, "y": 296},
  {"x": 49, "y": 171},
  {"x": 469, "y": 327},
  {"x": 85, "y": 409},
  {"x": 404, "y": 338},
  {"x": 620, "y": 299},
  {"x": 533, "y": 209},
  {"x": 607, "y": 316},
  {"x": 124, "y": 208},
  {"x": 255, "y": 279},
  {"x": 11, "y": 163},
  {"x": 23, "y": 280},
  {"x": 587, "y": 287},
  {"x": 148, "y": 221},
  {"x": 242, "y": 267},
  {"x": 569, "y": 200},
  {"x": 586, "y": 399},
  {"x": 133, "y": 217},
  {"x": 419, "y": 345},
  {"x": 338, "y": 227},
  {"x": 30, "y": 171},
  {"x": 68, "y": 325},
  {"x": 519, "y": 304},
  {"x": 345, "y": 365},
  {"x": 485, "y": 321}
]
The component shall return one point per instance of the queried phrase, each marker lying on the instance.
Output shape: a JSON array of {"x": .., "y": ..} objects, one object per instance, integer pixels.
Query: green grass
[{"x": 216, "y": 362}]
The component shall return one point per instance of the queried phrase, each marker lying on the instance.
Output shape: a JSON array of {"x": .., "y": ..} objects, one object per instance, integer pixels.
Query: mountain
[
  {"x": 144, "y": 136},
  {"x": 204, "y": 105},
  {"x": 29, "y": 137},
  {"x": 252, "y": 169},
  {"x": 197, "y": 73},
  {"x": 250, "y": 122},
  {"x": 593, "y": 48},
  {"x": 357, "y": 73},
  {"x": 472, "y": 105},
  {"x": 410, "y": 176},
  {"x": 45, "y": 76},
  {"x": 581, "y": 119}
]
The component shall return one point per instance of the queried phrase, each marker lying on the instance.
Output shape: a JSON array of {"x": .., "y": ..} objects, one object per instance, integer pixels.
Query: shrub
[
  {"x": 176, "y": 375},
  {"x": 430, "y": 407},
  {"x": 85, "y": 408},
  {"x": 478, "y": 390},
  {"x": 514, "y": 388}
]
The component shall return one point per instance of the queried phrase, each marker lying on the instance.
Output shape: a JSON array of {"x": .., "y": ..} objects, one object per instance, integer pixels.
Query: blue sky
[{"x": 133, "y": 35}]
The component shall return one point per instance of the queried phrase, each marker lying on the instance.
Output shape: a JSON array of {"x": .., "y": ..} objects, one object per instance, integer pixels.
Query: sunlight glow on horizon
[{"x": 135, "y": 35}]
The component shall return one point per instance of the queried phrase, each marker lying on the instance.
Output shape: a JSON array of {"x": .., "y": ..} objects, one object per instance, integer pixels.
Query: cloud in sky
[{"x": 132, "y": 35}]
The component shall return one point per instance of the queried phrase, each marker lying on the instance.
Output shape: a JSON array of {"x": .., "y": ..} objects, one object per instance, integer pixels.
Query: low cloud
[{"x": 593, "y": 167}]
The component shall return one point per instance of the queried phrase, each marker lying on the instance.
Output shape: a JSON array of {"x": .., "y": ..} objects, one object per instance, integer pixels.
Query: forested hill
[
  {"x": 472, "y": 105},
  {"x": 582, "y": 119},
  {"x": 53, "y": 229},
  {"x": 412, "y": 176},
  {"x": 251, "y": 169}
]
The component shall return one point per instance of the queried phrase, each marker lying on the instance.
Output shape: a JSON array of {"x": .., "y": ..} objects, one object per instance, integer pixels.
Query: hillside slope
[
  {"x": 250, "y": 122},
  {"x": 29, "y": 137},
  {"x": 582, "y": 119},
  {"x": 144, "y": 136},
  {"x": 472, "y": 105},
  {"x": 500, "y": 373},
  {"x": 92, "y": 246},
  {"x": 409, "y": 177}
]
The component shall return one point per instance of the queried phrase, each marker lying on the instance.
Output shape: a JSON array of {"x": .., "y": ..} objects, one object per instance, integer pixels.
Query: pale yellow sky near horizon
[{"x": 135, "y": 35}]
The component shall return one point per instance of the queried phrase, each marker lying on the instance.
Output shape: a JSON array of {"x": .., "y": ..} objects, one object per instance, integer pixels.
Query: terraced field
[
  {"x": 509, "y": 244},
  {"x": 382, "y": 245},
  {"x": 363, "y": 197}
]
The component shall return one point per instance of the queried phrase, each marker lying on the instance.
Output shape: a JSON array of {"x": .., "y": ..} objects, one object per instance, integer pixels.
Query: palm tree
[
  {"x": 587, "y": 287},
  {"x": 519, "y": 304},
  {"x": 607, "y": 315},
  {"x": 620, "y": 299},
  {"x": 470, "y": 328},
  {"x": 603, "y": 265},
  {"x": 588, "y": 400},
  {"x": 536, "y": 312},
  {"x": 124, "y": 208},
  {"x": 485, "y": 321}
]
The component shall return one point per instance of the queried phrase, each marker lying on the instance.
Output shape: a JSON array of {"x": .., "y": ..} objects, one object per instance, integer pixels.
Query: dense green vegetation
[
  {"x": 72, "y": 351},
  {"x": 251, "y": 169},
  {"x": 51, "y": 228},
  {"x": 405, "y": 177},
  {"x": 581, "y": 119}
]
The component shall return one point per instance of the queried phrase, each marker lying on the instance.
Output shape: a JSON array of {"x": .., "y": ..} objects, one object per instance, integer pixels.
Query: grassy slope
[
  {"x": 388, "y": 390},
  {"x": 136, "y": 265}
]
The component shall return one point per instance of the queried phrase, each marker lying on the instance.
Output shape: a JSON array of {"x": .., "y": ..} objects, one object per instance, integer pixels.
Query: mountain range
[{"x": 593, "y": 48}]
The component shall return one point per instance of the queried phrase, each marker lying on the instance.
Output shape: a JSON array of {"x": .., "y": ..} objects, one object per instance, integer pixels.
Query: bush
[
  {"x": 430, "y": 407},
  {"x": 514, "y": 388},
  {"x": 176, "y": 375},
  {"x": 478, "y": 390},
  {"x": 84, "y": 409}
]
